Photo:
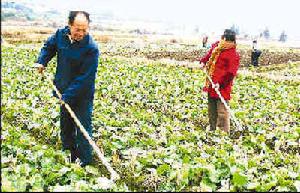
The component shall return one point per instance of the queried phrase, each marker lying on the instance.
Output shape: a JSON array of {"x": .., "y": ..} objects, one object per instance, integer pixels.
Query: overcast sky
[{"x": 251, "y": 16}]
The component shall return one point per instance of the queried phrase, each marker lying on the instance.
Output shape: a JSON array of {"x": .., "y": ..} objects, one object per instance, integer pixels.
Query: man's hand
[
  {"x": 61, "y": 101},
  {"x": 40, "y": 68}
]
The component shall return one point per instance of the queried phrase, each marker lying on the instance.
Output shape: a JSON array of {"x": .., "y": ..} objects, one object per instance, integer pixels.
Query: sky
[{"x": 212, "y": 15}]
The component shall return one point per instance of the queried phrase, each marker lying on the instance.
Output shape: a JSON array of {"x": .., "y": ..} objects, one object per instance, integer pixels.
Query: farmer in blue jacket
[{"x": 77, "y": 62}]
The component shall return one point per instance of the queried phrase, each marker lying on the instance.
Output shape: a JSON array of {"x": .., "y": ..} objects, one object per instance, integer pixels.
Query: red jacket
[{"x": 225, "y": 70}]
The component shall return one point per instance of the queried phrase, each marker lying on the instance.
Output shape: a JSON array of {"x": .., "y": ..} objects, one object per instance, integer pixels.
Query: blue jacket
[{"x": 76, "y": 64}]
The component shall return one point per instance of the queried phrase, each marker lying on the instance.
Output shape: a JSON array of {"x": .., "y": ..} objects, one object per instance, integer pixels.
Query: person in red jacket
[{"x": 221, "y": 62}]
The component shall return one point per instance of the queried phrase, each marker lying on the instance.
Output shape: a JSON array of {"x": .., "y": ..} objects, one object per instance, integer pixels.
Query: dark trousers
[
  {"x": 71, "y": 136},
  {"x": 254, "y": 57},
  {"x": 218, "y": 114}
]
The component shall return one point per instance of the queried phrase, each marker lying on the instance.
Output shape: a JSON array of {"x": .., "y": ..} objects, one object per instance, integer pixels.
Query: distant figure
[
  {"x": 255, "y": 53},
  {"x": 204, "y": 41}
]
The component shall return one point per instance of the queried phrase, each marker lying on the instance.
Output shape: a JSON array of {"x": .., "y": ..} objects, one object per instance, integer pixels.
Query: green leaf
[
  {"x": 239, "y": 179},
  {"x": 163, "y": 169}
]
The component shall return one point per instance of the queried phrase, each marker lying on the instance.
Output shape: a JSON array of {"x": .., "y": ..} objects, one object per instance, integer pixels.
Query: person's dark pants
[
  {"x": 71, "y": 136},
  {"x": 254, "y": 57},
  {"x": 218, "y": 114}
]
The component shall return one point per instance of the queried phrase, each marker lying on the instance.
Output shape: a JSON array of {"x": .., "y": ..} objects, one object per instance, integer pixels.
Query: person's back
[{"x": 227, "y": 63}]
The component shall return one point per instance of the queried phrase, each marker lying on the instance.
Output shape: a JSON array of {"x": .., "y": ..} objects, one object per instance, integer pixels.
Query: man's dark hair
[
  {"x": 73, "y": 14},
  {"x": 229, "y": 35}
]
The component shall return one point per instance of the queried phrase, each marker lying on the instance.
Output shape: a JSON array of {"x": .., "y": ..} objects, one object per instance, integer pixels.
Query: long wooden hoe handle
[
  {"x": 114, "y": 176},
  {"x": 224, "y": 102}
]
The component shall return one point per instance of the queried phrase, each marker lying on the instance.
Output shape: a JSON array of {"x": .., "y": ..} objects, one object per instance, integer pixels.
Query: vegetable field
[{"x": 150, "y": 121}]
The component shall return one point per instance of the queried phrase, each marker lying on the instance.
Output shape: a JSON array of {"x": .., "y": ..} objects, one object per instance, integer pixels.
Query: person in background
[
  {"x": 221, "y": 62},
  {"x": 255, "y": 53},
  {"x": 204, "y": 41},
  {"x": 77, "y": 62}
]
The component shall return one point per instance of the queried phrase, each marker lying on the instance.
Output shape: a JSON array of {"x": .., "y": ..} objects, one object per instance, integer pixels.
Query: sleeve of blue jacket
[
  {"x": 86, "y": 79},
  {"x": 48, "y": 51}
]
